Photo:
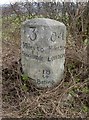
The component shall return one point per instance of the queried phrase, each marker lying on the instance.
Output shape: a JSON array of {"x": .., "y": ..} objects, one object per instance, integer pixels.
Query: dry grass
[{"x": 23, "y": 99}]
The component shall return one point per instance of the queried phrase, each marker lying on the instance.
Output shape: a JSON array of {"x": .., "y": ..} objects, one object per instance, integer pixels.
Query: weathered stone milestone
[{"x": 43, "y": 51}]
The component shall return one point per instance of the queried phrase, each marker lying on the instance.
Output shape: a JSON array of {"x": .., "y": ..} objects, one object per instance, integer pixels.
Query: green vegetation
[{"x": 25, "y": 77}]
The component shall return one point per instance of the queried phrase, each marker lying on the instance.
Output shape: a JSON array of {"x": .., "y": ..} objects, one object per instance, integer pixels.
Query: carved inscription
[
  {"x": 38, "y": 48},
  {"x": 45, "y": 82},
  {"x": 33, "y": 34},
  {"x": 40, "y": 58},
  {"x": 44, "y": 59},
  {"x": 55, "y": 57},
  {"x": 46, "y": 73},
  {"x": 53, "y": 36}
]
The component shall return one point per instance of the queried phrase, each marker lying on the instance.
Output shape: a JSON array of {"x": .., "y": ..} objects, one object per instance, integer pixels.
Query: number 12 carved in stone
[{"x": 46, "y": 73}]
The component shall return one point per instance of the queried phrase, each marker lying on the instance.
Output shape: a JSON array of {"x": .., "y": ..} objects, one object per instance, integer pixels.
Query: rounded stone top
[{"x": 42, "y": 22}]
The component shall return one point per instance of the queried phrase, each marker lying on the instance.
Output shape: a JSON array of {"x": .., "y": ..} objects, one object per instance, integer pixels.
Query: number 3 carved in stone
[{"x": 33, "y": 34}]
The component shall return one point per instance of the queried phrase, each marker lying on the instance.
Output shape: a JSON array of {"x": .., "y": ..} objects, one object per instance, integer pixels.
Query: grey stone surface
[{"x": 43, "y": 51}]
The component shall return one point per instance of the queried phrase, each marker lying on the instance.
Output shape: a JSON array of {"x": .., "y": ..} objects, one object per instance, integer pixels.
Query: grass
[{"x": 22, "y": 99}]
